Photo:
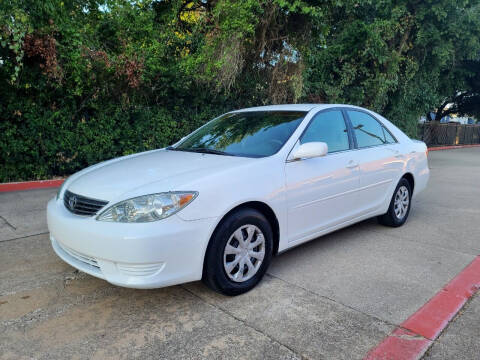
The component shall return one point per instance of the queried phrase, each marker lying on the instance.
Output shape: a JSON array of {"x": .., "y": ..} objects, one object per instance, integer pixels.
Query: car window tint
[
  {"x": 328, "y": 127},
  {"x": 368, "y": 131}
]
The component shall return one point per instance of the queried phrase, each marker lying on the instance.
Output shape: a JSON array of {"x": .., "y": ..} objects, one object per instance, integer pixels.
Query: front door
[{"x": 322, "y": 192}]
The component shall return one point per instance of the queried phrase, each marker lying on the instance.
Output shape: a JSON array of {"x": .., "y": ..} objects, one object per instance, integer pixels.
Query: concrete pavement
[{"x": 333, "y": 298}]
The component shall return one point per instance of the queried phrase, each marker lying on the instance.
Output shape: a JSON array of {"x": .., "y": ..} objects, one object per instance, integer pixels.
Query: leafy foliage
[
  {"x": 398, "y": 58},
  {"x": 86, "y": 80}
]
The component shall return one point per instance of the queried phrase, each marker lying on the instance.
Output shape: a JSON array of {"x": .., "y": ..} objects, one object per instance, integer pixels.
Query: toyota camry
[{"x": 222, "y": 201}]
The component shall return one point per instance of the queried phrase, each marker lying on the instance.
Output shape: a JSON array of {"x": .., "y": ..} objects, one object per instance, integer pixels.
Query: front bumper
[{"x": 143, "y": 255}]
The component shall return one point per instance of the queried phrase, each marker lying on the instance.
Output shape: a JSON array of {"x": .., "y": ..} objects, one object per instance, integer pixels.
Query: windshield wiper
[
  {"x": 207, "y": 151},
  {"x": 201, "y": 150}
]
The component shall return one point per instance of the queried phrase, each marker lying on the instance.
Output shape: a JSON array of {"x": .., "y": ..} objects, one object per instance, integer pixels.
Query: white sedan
[{"x": 222, "y": 201}]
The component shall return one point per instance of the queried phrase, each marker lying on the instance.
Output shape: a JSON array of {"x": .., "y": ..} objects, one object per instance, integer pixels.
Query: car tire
[
  {"x": 239, "y": 231},
  {"x": 399, "y": 207}
]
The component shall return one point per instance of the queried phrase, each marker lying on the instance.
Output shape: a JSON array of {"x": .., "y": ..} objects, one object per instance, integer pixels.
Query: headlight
[
  {"x": 61, "y": 189},
  {"x": 148, "y": 208}
]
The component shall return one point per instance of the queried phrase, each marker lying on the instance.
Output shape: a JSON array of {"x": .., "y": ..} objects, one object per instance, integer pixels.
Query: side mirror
[{"x": 310, "y": 150}]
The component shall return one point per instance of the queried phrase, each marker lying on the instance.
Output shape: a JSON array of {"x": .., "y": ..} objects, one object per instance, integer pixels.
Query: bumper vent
[
  {"x": 80, "y": 257},
  {"x": 82, "y": 205},
  {"x": 140, "y": 269}
]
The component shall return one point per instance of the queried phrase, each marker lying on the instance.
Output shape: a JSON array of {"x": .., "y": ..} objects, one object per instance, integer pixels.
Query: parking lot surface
[{"x": 333, "y": 298}]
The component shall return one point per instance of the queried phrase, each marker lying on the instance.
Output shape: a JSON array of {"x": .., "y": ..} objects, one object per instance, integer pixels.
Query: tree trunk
[{"x": 440, "y": 111}]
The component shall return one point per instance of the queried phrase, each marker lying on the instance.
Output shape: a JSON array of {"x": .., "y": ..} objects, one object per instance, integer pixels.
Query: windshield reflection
[{"x": 251, "y": 134}]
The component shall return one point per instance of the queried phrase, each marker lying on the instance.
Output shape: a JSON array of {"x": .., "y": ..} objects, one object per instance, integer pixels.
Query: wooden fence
[{"x": 435, "y": 134}]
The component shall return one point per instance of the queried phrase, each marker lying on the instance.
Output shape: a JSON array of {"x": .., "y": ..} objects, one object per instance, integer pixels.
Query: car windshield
[{"x": 250, "y": 134}]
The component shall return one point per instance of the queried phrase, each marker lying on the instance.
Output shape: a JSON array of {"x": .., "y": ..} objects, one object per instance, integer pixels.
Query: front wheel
[
  {"x": 399, "y": 207},
  {"x": 239, "y": 252}
]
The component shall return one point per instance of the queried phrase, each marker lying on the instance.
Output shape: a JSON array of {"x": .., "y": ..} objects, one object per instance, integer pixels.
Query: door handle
[
  {"x": 397, "y": 154},
  {"x": 352, "y": 164}
]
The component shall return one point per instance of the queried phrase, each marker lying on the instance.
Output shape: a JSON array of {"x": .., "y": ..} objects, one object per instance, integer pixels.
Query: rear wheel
[
  {"x": 239, "y": 252},
  {"x": 399, "y": 207}
]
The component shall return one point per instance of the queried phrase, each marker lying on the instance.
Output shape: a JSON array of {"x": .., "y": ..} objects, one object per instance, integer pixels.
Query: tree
[
  {"x": 465, "y": 97},
  {"x": 86, "y": 80},
  {"x": 394, "y": 57}
]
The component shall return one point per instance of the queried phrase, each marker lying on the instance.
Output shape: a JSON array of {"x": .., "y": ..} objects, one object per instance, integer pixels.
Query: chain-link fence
[{"x": 435, "y": 134}]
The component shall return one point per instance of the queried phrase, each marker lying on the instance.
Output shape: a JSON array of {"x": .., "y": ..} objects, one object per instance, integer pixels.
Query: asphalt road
[{"x": 333, "y": 298}]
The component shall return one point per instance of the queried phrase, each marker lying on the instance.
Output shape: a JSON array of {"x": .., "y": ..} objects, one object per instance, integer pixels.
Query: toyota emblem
[{"x": 72, "y": 202}]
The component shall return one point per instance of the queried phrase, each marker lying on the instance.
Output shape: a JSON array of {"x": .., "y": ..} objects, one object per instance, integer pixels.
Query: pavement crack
[
  {"x": 274, "y": 340},
  {"x": 67, "y": 302},
  {"x": 24, "y": 237},
  {"x": 333, "y": 300},
  {"x": 409, "y": 337},
  {"x": 8, "y": 223}
]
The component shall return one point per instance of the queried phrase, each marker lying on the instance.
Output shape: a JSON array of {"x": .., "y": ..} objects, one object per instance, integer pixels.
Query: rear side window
[
  {"x": 388, "y": 137},
  {"x": 368, "y": 131},
  {"x": 328, "y": 127}
]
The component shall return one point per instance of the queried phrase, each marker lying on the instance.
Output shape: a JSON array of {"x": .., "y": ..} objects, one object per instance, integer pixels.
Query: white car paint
[{"x": 309, "y": 198}]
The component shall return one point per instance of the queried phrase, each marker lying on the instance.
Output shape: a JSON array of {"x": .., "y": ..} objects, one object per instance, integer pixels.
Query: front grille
[{"x": 82, "y": 205}]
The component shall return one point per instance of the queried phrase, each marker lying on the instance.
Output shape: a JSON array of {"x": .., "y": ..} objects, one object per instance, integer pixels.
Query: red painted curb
[
  {"x": 400, "y": 344},
  {"x": 452, "y": 147},
  {"x": 413, "y": 337},
  {"x": 28, "y": 185}
]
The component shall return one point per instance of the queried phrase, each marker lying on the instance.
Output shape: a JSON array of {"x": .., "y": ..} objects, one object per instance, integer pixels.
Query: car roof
[{"x": 292, "y": 107}]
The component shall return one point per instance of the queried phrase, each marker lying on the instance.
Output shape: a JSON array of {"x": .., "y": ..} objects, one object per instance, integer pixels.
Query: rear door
[
  {"x": 322, "y": 192},
  {"x": 380, "y": 160}
]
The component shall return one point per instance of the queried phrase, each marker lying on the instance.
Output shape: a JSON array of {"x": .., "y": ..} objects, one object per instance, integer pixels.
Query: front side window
[
  {"x": 250, "y": 133},
  {"x": 368, "y": 131},
  {"x": 330, "y": 128}
]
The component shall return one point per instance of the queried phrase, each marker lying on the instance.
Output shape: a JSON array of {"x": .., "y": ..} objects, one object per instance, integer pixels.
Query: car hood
[{"x": 118, "y": 177}]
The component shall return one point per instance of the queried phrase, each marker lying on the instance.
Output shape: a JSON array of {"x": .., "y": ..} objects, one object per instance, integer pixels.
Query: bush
[
  {"x": 85, "y": 81},
  {"x": 40, "y": 143}
]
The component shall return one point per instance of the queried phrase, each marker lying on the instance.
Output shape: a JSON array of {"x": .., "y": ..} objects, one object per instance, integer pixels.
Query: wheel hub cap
[
  {"x": 244, "y": 253},
  {"x": 401, "y": 203}
]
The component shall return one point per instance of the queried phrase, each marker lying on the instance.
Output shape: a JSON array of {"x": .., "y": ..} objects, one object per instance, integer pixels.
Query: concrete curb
[
  {"x": 29, "y": 185},
  {"x": 412, "y": 338},
  {"x": 450, "y": 147}
]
